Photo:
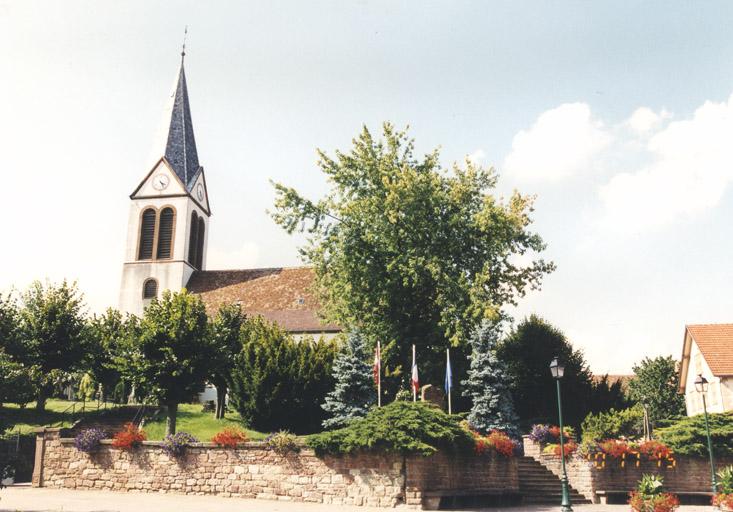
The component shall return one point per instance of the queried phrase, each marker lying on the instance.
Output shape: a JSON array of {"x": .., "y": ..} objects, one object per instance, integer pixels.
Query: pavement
[{"x": 25, "y": 498}]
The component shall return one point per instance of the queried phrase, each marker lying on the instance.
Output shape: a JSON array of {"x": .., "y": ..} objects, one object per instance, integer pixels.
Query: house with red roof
[{"x": 707, "y": 350}]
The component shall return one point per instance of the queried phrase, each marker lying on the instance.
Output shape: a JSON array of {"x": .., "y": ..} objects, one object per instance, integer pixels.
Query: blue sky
[{"x": 617, "y": 115}]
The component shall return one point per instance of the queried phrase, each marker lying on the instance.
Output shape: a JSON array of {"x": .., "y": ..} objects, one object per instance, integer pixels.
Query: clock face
[
  {"x": 160, "y": 182},
  {"x": 200, "y": 192}
]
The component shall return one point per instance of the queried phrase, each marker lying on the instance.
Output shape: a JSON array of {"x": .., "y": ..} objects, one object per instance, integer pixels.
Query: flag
[
  {"x": 414, "y": 380},
  {"x": 377, "y": 368},
  {"x": 448, "y": 373}
]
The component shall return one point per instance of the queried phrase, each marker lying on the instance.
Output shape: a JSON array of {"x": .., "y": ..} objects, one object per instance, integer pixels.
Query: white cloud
[
  {"x": 691, "y": 166},
  {"x": 562, "y": 142},
  {"x": 644, "y": 120},
  {"x": 477, "y": 156}
]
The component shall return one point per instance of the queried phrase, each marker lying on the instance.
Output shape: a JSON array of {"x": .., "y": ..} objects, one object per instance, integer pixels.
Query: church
[{"x": 167, "y": 234}]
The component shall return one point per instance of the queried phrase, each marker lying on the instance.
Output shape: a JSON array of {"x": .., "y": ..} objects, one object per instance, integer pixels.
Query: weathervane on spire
[{"x": 183, "y": 50}]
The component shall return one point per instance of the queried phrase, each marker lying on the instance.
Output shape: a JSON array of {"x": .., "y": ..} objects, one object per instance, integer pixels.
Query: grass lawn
[
  {"x": 201, "y": 425},
  {"x": 57, "y": 413}
]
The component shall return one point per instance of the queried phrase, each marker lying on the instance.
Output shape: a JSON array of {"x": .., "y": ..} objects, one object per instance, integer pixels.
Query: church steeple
[{"x": 180, "y": 148}]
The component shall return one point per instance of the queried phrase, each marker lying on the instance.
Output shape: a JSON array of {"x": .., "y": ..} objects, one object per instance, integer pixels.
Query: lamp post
[
  {"x": 701, "y": 386},
  {"x": 558, "y": 370}
]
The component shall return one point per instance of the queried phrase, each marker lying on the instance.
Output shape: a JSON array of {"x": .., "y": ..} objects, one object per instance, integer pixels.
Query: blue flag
[{"x": 448, "y": 373}]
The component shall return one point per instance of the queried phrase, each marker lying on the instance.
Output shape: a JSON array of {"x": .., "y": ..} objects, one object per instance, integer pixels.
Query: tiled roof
[
  {"x": 612, "y": 379},
  {"x": 716, "y": 344},
  {"x": 180, "y": 148},
  {"x": 281, "y": 295}
]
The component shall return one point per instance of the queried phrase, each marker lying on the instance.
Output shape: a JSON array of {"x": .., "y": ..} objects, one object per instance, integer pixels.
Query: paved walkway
[{"x": 27, "y": 499}]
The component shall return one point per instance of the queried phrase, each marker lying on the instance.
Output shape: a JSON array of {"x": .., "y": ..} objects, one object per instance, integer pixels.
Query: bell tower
[{"x": 169, "y": 214}]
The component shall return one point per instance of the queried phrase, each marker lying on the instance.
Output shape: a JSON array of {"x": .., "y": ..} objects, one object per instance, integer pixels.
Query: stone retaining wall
[
  {"x": 252, "y": 471},
  {"x": 681, "y": 475}
]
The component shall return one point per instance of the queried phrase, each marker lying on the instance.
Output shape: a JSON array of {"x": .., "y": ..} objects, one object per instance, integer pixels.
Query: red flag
[{"x": 377, "y": 368}]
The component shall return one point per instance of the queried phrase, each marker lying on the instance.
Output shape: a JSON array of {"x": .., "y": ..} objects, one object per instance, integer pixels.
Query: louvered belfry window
[
  {"x": 192, "y": 241},
  {"x": 150, "y": 289},
  {"x": 147, "y": 235},
  {"x": 165, "y": 233},
  {"x": 200, "y": 247}
]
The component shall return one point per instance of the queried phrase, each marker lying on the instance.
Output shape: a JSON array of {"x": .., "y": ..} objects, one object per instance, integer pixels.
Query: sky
[{"x": 617, "y": 115}]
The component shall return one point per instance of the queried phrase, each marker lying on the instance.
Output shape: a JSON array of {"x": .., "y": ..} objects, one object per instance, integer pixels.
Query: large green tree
[
  {"x": 527, "y": 351},
  {"x": 410, "y": 252},
  {"x": 226, "y": 330},
  {"x": 108, "y": 334},
  {"x": 174, "y": 351},
  {"x": 52, "y": 334},
  {"x": 655, "y": 385}
]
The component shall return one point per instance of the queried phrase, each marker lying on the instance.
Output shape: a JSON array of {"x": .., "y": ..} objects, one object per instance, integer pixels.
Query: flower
[
  {"x": 175, "y": 444},
  {"x": 229, "y": 437},
  {"x": 615, "y": 448},
  {"x": 88, "y": 440},
  {"x": 129, "y": 438},
  {"x": 496, "y": 441},
  {"x": 654, "y": 450}
]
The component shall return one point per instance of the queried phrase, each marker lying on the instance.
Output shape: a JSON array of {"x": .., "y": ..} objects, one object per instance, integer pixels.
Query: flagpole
[
  {"x": 379, "y": 375},
  {"x": 447, "y": 356},
  {"x": 414, "y": 388}
]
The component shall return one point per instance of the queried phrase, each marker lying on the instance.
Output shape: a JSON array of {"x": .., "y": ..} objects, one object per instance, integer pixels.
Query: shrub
[
  {"x": 724, "y": 497},
  {"x": 686, "y": 436},
  {"x": 614, "y": 424},
  {"x": 649, "y": 497},
  {"x": 554, "y": 449},
  {"x": 175, "y": 444},
  {"x": 129, "y": 438},
  {"x": 400, "y": 427},
  {"x": 282, "y": 442},
  {"x": 277, "y": 382},
  {"x": 229, "y": 438},
  {"x": 88, "y": 440}
]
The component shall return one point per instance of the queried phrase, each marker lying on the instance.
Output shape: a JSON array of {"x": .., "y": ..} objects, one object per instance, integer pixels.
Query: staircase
[
  {"x": 110, "y": 421},
  {"x": 540, "y": 486}
]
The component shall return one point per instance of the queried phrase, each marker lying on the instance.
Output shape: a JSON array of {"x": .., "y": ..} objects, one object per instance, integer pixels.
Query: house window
[
  {"x": 150, "y": 289},
  {"x": 165, "y": 233},
  {"x": 147, "y": 235}
]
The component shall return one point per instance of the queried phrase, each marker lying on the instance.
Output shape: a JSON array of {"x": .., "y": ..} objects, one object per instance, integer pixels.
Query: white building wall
[{"x": 719, "y": 397}]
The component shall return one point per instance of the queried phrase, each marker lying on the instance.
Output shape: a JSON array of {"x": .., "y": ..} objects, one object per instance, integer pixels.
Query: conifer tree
[
  {"x": 354, "y": 392},
  {"x": 487, "y": 384}
]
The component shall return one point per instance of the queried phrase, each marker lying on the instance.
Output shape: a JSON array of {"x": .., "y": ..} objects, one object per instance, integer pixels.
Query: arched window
[
  {"x": 192, "y": 241},
  {"x": 150, "y": 289},
  {"x": 147, "y": 235},
  {"x": 200, "y": 248},
  {"x": 165, "y": 233}
]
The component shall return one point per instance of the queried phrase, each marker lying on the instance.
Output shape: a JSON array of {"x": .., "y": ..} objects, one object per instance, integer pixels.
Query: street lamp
[
  {"x": 701, "y": 386},
  {"x": 558, "y": 370}
]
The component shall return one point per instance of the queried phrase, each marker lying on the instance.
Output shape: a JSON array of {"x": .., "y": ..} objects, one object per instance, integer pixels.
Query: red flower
[
  {"x": 229, "y": 437},
  {"x": 664, "y": 502},
  {"x": 131, "y": 437},
  {"x": 614, "y": 448},
  {"x": 570, "y": 448},
  {"x": 654, "y": 450}
]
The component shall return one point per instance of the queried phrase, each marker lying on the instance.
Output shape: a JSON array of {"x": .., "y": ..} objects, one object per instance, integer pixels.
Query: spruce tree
[
  {"x": 487, "y": 385},
  {"x": 354, "y": 392}
]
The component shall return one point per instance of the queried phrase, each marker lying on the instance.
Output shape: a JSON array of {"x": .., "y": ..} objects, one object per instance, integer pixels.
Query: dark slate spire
[{"x": 180, "y": 149}]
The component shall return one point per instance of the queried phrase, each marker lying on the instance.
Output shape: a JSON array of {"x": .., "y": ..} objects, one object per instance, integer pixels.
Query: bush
[
  {"x": 554, "y": 449},
  {"x": 687, "y": 436},
  {"x": 614, "y": 424},
  {"x": 724, "y": 497},
  {"x": 282, "y": 442},
  {"x": 649, "y": 497},
  {"x": 129, "y": 438},
  {"x": 496, "y": 441},
  {"x": 400, "y": 427},
  {"x": 88, "y": 440},
  {"x": 229, "y": 438},
  {"x": 175, "y": 444},
  {"x": 278, "y": 382}
]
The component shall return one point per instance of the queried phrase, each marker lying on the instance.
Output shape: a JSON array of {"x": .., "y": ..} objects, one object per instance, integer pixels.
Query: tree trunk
[
  {"x": 221, "y": 395},
  {"x": 170, "y": 422},
  {"x": 41, "y": 400}
]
